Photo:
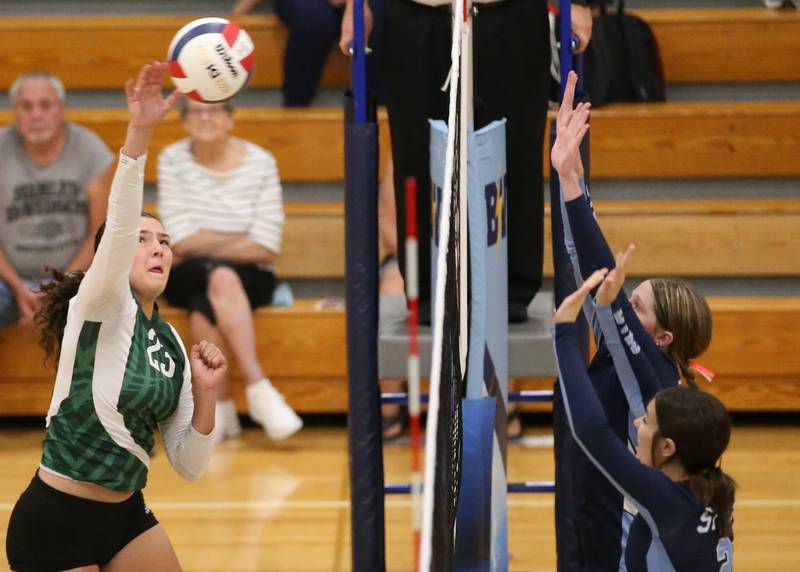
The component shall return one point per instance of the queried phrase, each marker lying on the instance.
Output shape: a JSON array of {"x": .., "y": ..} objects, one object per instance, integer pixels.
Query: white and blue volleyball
[{"x": 211, "y": 59}]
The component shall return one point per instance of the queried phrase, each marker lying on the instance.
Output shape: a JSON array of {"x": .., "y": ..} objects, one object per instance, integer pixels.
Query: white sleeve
[
  {"x": 268, "y": 218},
  {"x": 188, "y": 450},
  {"x": 105, "y": 288},
  {"x": 172, "y": 207}
]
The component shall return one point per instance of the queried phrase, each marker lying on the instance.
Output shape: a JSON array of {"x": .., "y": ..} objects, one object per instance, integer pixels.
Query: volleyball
[{"x": 211, "y": 59}]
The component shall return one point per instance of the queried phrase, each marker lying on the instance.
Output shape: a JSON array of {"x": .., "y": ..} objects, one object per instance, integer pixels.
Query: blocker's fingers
[
  {"x": 593, "y": 281},
  {"x": 623, "y": 257},
  {"x": 569, "y": 91}
]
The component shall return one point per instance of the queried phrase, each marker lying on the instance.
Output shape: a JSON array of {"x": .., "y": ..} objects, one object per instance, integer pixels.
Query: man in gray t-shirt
[{"x": 54, "y": 182}]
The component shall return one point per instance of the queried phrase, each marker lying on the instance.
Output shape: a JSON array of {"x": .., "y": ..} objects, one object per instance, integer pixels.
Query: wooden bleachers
[
  {"x": 100, "y": 52},
  {"x": 726, "y": 44},
  {"x": 722, "y": 237},
  {"x": 303, "y": 351},
  {"x": 303, "y": 347},
  {"x": 754, "y": 351},
  {"x": 669, "y": 140}
]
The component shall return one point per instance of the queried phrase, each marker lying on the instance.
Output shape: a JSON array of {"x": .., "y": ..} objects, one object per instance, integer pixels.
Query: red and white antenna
[{"x": 412, "y": 289}]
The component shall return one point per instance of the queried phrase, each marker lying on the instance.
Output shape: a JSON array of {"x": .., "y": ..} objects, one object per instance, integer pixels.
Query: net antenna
[{"x": 443, "y": 429}]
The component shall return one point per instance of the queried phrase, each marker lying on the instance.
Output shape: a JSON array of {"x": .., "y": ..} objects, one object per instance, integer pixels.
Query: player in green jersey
[{"x": 122, "y": 372}]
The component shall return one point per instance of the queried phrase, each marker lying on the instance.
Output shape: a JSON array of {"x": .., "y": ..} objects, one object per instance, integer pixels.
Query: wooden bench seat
[
  {"x": 753, "y": 352},
  {"x": 686, "y": 237},
  {"x": 647, "y": 141},
  {"x": 707, "y": 45},
  {"x": 101, "y": 52}
]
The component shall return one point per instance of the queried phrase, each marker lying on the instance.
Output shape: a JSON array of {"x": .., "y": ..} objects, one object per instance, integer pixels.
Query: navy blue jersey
[
  {"x": 642, "y": 367},
  {"x": 673, "y": 531},
  {"x": 626, "y": 373}
]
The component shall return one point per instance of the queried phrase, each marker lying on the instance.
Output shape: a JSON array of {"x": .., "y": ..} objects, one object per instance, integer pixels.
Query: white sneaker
[
  {"x": 269, "y": 409},
  {"x": 773, "y": 4},
  {"x": 226, "y": 421}
]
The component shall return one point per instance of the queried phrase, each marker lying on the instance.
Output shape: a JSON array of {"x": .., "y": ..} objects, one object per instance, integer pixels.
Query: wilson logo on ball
[{"x": 211, "y": 59}]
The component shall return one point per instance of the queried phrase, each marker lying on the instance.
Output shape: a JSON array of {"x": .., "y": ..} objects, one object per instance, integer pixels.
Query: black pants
[
  {"x": 314, "y": 29},
  {"x": 188, "y": 284},
  {"x": 511, "y": 80}
]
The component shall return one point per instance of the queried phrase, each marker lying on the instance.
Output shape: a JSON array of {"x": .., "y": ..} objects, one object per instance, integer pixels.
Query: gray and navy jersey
[
  {"x": 672, "y": 530},
  {"x": 627, "y": 371},
  {"x": 120, "y": 374}
]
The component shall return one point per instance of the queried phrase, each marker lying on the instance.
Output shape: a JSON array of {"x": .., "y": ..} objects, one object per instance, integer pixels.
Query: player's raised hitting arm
[{"x": 106, "y": 284}]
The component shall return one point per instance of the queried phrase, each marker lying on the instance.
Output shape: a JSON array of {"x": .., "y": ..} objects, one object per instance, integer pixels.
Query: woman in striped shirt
[{"x": 220, "y": 199}]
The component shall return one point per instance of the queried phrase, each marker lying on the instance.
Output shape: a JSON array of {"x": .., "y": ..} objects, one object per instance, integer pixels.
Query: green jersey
[{"x": 120, "y": 374}]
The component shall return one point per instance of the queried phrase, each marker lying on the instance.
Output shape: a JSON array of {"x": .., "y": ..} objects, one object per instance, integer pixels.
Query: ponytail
[
  {"x": 716, "y": 489},
  {"x": 52, "y": 316},
  {"x": 686, "y": 371},
  {"x": 700, "y": 426},
  {"x": 682, "y": 310}
]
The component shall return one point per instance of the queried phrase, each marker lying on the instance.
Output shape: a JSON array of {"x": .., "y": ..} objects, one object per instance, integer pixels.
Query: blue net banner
[
  {"x": 487, "y": 362},
  {"x": 438, "y": 154}
]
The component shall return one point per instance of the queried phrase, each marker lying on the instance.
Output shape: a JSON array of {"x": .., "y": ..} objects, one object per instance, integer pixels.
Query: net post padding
[
  {"x": 364, "y": 417},
  {"x": 474, "y": 542},
  {"x": 487, "y": 372}
]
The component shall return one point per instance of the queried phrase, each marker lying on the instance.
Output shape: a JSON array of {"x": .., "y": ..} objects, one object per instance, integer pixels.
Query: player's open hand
[
  {"x": 571, "y": 127},
  {"x": 571, "y": 306},
  {"x": 208, "y": 366},
  {"x": 146, "y": 103},
  {"x": 612, "y": 284}
]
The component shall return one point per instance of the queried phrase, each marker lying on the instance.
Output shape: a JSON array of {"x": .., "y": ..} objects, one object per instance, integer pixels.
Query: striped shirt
[{"x": 246, "y": 199}]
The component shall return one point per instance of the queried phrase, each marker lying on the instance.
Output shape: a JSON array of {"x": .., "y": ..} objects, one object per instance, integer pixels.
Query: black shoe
[{"x": 517, "y": 313}]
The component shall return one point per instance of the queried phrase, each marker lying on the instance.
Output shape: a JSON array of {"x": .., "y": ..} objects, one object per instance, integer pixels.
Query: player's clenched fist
[{"x": 208, "y": 365}]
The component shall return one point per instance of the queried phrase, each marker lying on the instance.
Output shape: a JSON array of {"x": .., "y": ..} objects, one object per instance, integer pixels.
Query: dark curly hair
[{"x": 52, "y": 316}]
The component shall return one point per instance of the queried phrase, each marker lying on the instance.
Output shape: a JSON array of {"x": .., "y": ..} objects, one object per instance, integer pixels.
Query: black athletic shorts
[
  {"x": 52, "y": 530},
  {"x": 188, "y": 284}
]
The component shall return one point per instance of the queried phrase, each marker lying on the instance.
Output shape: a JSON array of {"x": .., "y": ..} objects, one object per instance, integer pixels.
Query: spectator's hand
[
  {"x": 571, "y": 306},
  {"x": 145, "y": 102},
  {"x": 571, "y": 126},
  {"x": 208, "y": 366},
  {"x": 346, "y": 39},
  {"x": 582, "y": 26},
  {"x": 244, "y": 7},
  {"x": 28, "y": 304},
  {"x": 612, "y": 284}
]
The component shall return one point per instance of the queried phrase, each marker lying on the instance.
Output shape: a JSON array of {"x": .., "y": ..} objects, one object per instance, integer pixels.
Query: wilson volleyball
[{"x": 211, "y": 59}]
